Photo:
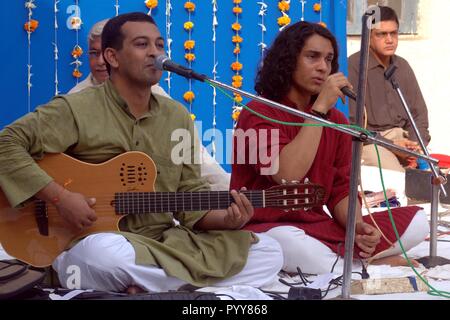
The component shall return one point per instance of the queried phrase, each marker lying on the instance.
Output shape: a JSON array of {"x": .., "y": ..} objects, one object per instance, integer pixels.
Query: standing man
[
  {"x": 151, "y": 251},
  {"x": 384, "y": 112},
  {"x": 216, "y": 176}
]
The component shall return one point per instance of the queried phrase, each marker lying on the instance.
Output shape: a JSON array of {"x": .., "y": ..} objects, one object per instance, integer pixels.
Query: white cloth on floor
[
  {"x": 106, "y": 262},
  {"x": 312, "y": 256}
]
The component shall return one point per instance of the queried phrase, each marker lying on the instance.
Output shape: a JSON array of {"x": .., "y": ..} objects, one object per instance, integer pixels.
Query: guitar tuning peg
[
  {"x": 283, "y": 181},
  {"x": 295, "y": 182},
  {"x": 306, "y": 180},
  {"x": 286, "y": 210}
]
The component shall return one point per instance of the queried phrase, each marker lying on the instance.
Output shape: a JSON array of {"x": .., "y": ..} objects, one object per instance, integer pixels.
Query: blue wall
[{"x": 14, "y": 52}]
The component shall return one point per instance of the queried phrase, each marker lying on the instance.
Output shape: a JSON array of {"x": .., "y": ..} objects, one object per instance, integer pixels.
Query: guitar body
[{"x": 19, "y": 231}]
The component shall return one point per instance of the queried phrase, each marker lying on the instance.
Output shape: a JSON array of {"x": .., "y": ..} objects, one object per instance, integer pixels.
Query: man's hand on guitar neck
[
  {"x": 234, "y": 217},
  {"x": 73, "y": 207}
]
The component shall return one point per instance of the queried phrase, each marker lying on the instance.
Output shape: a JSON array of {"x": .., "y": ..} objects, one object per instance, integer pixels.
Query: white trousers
[
  {"x": 106, "y": 262},
  {"x": 312, "y": 256}
]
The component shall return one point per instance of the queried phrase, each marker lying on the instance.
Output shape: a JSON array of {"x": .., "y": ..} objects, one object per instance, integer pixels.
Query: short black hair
[
  {"x": 274, "y": 77},
  {"x": 112, "y": 36},
  {"x": 388, "y": 14}
]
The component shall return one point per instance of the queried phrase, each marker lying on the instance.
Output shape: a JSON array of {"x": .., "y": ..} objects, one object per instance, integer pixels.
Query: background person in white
[{"x": 216, "y": 176}]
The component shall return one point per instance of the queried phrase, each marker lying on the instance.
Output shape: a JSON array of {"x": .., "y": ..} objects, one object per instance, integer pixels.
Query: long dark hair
[{"x": 274, "y": 77}]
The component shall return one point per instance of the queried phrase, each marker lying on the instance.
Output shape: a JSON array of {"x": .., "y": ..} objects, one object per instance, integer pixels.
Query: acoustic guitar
[{"x": 36, "y": 234}]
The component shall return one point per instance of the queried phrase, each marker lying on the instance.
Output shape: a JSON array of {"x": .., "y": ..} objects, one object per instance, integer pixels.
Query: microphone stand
[
  {"x": 438, "y": 180},
  {"x": 359, "y": 137},
  {"x": 356, "y": 158}
]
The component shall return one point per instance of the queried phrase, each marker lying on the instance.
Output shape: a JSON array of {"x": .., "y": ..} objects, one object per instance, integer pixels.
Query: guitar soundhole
[{"x": 133, "y": 174}]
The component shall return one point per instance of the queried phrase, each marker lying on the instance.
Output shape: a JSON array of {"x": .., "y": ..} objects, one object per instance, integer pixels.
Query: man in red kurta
[{"x": 300, "y": 71}]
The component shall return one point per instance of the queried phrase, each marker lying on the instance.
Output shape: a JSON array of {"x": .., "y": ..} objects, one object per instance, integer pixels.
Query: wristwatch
[{"x": 319, "y": 114}]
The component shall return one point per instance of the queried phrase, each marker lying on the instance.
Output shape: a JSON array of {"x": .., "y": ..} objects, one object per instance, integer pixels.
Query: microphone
[
  {"x": 349, "y": 93},
  {"x": 390, "y": 71},
  {"x": 163, "y": 62}
]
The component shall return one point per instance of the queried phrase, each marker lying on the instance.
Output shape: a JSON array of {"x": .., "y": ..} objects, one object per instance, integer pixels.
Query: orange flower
[
  {"x": 237, "y": 49},
  {"x": 283, "y": 21},
  {"x": 237, "y": 1},
  {"x": 76, "y": 22},
  {"x": 323, "y": 24},
  {"x": 238, "y": 98},
  {"x": 77, "y": 74},
  {"x": 151, "y": 4},
  {"x": 317, "y": 7},
  {"x": 193, "y": 117},
  {"x": 236, "y": 26},
  {"x": 283, "y": 6},
  {"x": 236, "y": 114},
  {"x": 189, "y": 44},
  {"x": 189, "y": 56},
  {"x": 189, "y": 96},
  {"x": 189, "y": 6},
  {"x": 31, "y": 25},
  {"x": 188, "y": 25},
  {"x": 237, "y": 78},
  {"x": 236, "y": 66},
  {"x": 237, "y": 10},
  {"x": 236, "y": 84},
  {"x": 237, "y": 39},
  {"x": 77, "y": 52}
]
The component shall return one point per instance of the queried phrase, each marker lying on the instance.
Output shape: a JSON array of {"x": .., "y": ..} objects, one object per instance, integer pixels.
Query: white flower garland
[
  {"x": 303, "y": 2},
  {"x": 262, "y": 13},
  {"x": 55, "y": 45},
  {"x": 117, "y": 6},
  {"x": 30, "y": 6},
  {"x": 215, "y": 23},
  {"x": 169, "y": 41}
]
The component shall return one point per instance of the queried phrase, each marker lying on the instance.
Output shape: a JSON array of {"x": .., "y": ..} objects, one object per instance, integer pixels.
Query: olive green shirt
[{"x": 96, "y": 125}]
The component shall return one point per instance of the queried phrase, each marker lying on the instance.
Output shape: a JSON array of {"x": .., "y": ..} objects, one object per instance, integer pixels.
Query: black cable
[
  {"x": 303, "y": 277},
  {"x": 217, "y": 295}
]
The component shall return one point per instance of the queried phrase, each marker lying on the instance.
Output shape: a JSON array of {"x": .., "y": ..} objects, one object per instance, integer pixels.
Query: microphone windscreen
[{"x": 159, "y": 61}]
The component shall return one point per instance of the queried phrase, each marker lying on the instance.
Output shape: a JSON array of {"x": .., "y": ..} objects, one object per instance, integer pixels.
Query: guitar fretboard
[{"x": 152, "y": 202}]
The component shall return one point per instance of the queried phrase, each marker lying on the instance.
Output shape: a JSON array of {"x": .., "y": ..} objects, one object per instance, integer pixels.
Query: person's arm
[
  {"x": 296, "y": 157},
  {"x": 73, "y": 207},
  {"x": 50, "y": 129},
  {"x": 367, "y": 237}
]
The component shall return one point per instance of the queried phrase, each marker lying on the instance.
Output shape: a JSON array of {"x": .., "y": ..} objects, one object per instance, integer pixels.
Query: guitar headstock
[{"x": 295, "y": 195}]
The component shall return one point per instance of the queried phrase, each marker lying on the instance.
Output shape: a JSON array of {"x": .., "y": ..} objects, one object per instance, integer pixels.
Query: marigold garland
[
  {"x": 31, "y": 26},
  {"x": 236, "y": 66},
  {"x": 189, "y": 46},
  {"x": 317, "y": 7},
  {"x": 189, "y": 6},
  {"x": 189, "y": 96},
  {"x": 284, "y": 20},
  {"x": 151, "y": 4},
  {"x": 77, "y": 51}
]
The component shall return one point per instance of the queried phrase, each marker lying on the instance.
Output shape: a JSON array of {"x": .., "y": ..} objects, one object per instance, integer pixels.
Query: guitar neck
[{"x": 152, "y": 202}]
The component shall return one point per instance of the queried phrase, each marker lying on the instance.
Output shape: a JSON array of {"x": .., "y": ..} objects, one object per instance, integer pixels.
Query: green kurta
[{"x": 95, "y": 125}]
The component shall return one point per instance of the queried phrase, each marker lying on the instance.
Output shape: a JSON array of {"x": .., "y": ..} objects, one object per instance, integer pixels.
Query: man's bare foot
[
  {"x": 134, "y": 290},
  {"x": 395, "y": 261}
]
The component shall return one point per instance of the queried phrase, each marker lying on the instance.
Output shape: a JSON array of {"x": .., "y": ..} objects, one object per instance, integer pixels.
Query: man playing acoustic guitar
[{"x": 151, "y": 251}]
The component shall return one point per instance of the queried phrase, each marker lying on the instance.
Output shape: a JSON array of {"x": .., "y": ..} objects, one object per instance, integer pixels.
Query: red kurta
[{"x": 331, "y": 169}]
